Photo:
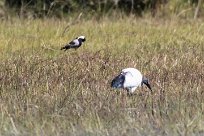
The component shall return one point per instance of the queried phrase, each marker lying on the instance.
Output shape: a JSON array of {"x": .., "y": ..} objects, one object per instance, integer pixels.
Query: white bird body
[
  {"x": 130, "y": 79},
  {"x": 133, "y": 78}
]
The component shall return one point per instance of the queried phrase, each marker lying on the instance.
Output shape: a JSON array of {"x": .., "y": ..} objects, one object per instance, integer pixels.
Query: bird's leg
[
  {"x": 118, "y": 92},
  {"x": 129, "y": 93},
  {"x": 123, "y": 101}
]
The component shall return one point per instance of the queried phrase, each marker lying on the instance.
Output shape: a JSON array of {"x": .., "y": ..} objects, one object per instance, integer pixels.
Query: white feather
[
  {"x": 76, "y": 42},
  {"x": 133, "y": 79},
  {"x": 81, "y": 37}
]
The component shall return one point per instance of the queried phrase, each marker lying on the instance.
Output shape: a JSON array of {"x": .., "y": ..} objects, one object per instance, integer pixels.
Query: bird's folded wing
[
  {"x": 74, "y": 43},
  {"x": 130, "y": 81}
]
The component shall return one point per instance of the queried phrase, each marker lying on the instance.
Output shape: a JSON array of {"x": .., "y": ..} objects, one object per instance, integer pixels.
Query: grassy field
[{"x": 45, "y": 91}]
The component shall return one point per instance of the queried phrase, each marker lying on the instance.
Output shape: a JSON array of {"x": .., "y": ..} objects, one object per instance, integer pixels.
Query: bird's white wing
[
  {"x": 75, "y": 42},
  {"x": 129, "y": 81},
  {"x": 133, "y": 77}
]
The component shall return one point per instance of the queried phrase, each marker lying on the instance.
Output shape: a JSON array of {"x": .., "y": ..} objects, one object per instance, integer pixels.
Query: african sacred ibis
[
  {"x": 130, "y": 79},
  {"x": 76, "y": 43}
]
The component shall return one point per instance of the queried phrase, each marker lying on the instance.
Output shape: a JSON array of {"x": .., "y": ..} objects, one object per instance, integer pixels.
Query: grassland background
[
  {"x": 45, "y": 91},
  {"x": 65, "y": 8}
]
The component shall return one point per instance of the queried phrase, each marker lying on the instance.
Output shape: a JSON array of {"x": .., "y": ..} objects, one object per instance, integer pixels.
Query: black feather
[
  {"x": 118, "y": 81},
  {"x": 72, "y": 43},
  {"x": 66, "y": 47}
]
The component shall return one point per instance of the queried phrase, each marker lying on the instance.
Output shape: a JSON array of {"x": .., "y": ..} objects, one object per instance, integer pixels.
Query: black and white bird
[
  {"x": 74, "y": 44},
  {"x": 130, "y": 79}
]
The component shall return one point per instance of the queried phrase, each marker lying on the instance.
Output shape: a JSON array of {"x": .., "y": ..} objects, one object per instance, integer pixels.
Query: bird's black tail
[
  {"x": 118, "y": 81},
  {"x": 66, "y": 47},
  {"x": 62, "y": 48}
]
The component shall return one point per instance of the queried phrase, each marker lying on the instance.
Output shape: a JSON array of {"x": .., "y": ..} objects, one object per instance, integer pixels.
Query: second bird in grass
[
  {"x": 74, "y": 44},
  {"x": 130, "y": 79}
]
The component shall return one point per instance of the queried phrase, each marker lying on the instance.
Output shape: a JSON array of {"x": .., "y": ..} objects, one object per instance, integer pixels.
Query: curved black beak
[{"x": 146, "y": 82}]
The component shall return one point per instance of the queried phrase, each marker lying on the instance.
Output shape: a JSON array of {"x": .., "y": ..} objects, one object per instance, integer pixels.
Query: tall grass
[
  {"x": 63, "y": 8},
  {"x": 45, "y": 91}
]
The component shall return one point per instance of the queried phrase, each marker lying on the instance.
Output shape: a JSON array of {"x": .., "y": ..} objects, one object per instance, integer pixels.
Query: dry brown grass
[{"x": 49, "y": 92}]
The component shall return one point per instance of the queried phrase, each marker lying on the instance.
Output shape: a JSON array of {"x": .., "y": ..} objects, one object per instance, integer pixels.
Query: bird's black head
[
  {"x": 146, "y": 82},
  {"x": 82, "y": 38}
]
